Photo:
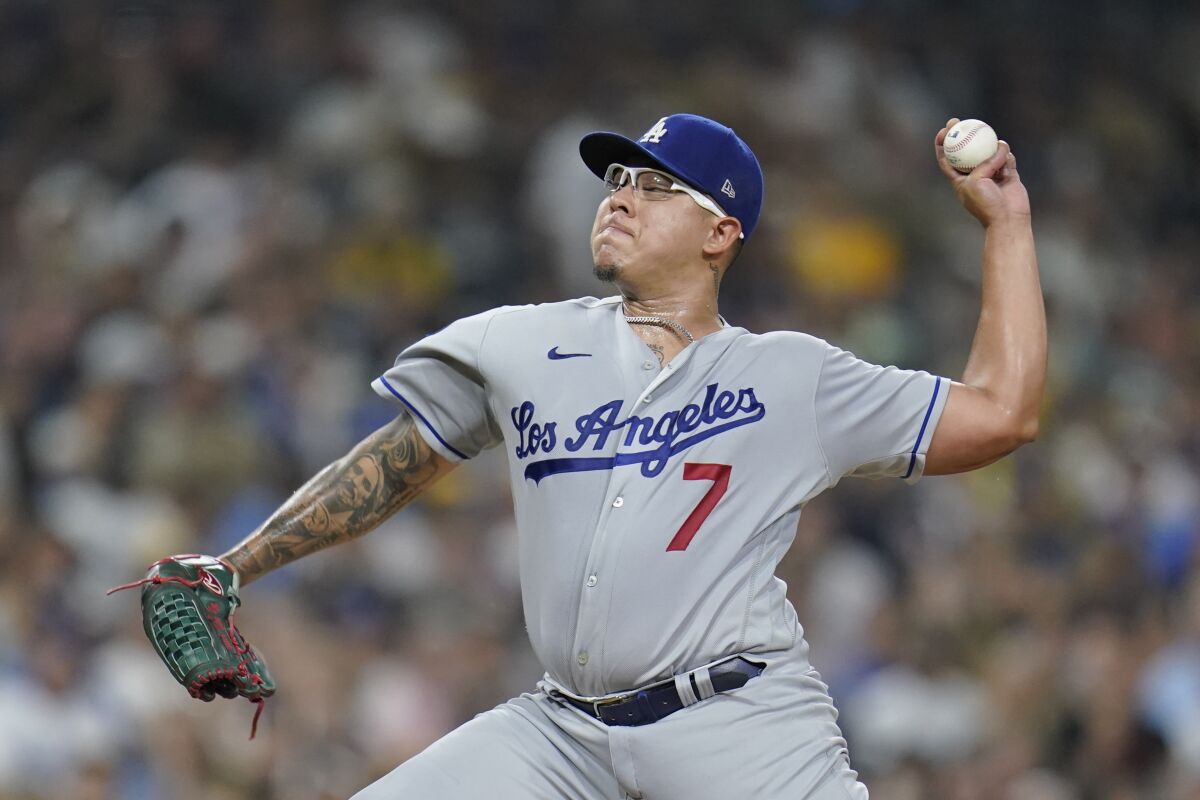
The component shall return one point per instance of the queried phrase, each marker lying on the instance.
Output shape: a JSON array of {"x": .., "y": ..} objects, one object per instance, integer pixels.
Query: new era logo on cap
[{"x": 703, "y": 153}]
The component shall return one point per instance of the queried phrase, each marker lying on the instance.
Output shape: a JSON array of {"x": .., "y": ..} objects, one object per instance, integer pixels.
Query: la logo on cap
[{"x": 656, "y": 133}]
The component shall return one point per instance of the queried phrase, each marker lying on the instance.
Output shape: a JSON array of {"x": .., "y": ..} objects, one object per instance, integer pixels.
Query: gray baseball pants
[{"x": 775, "y": 737}]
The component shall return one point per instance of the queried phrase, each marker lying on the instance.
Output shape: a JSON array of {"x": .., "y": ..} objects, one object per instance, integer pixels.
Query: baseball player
[{"x": 659, "y": 458}]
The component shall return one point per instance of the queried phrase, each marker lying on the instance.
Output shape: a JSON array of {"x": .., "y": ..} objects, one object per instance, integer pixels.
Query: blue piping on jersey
[
  {"x": 652, "y": 461},
  {"x": 421, "y": 417},
  {"x": 912, "y": 462}
]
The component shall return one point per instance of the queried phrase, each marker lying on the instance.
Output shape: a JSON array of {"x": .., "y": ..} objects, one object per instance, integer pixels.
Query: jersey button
[
  {"x": 647, "y": 365},
  {"x": 620, "y": 501},
  {"x": 591, "y": 581},
  {"x": 582, "y": 657}
]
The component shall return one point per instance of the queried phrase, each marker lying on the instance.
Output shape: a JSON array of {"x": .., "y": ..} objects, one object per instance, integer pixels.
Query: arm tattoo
[{"x": 350, "y": 497}]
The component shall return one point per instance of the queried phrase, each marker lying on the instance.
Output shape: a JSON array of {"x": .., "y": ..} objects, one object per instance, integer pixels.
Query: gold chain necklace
[{"x": 662, "y": 322}]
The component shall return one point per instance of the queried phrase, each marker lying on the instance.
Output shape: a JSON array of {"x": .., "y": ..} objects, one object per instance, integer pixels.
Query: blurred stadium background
[{"x": 220, "y": 220}]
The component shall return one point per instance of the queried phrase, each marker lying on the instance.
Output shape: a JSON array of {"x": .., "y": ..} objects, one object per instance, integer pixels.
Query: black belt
[{"x": 658, "y": 700}]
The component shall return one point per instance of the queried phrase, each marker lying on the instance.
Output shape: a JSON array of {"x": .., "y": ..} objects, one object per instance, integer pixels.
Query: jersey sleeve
[
  {"x": 873, "y": 421},
  {"x": 440, "y": 381}
]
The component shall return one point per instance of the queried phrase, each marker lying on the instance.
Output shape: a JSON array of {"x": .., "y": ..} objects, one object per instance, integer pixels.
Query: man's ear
[{"x": 722, "y": 239}]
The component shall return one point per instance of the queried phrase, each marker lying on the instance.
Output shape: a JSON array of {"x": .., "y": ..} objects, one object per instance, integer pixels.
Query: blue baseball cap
[{"x": 705, "y": 154}]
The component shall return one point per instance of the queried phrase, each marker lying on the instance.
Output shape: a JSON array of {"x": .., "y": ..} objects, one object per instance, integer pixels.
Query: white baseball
[{"x": 969, "y": 143}]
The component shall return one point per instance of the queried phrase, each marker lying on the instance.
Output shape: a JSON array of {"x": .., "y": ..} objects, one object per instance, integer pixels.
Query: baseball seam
[{"x": 961, "y": 143}]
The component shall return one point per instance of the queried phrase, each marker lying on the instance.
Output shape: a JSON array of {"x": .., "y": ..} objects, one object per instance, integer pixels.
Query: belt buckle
[{"x": 608, "y": 701}]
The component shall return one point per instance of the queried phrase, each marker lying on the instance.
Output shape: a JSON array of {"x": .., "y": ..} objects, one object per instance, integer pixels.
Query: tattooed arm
[{"x": 350, "y": 497}]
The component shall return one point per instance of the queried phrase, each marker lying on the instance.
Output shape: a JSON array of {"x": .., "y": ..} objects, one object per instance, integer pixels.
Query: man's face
[{"x": 637, "y": 234}]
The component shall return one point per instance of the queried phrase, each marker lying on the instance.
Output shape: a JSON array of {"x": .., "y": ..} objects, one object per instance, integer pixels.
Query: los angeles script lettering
[{"x": 664, "y": 434}]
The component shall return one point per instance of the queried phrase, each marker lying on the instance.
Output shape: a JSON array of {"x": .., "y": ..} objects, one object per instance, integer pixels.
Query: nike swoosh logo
[{"x": 554, "y": 355}]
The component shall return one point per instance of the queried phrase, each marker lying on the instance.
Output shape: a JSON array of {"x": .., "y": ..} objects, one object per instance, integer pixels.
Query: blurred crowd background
[{"x": 220, "y": 220}]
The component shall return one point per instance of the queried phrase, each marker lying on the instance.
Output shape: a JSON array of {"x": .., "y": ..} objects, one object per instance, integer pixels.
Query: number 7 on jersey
[{"x": 719, "y": 475}]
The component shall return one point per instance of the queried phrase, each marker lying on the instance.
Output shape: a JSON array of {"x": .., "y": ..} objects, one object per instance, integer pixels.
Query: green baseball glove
[{"x": 188, "y": 602}]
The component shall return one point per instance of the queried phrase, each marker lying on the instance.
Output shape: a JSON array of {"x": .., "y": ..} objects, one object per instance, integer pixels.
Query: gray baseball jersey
[{"x": 654, "y": 504}]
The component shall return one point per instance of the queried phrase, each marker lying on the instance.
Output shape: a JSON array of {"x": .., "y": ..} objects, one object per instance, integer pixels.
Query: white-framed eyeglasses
[{"x": 653, "y": 184}]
